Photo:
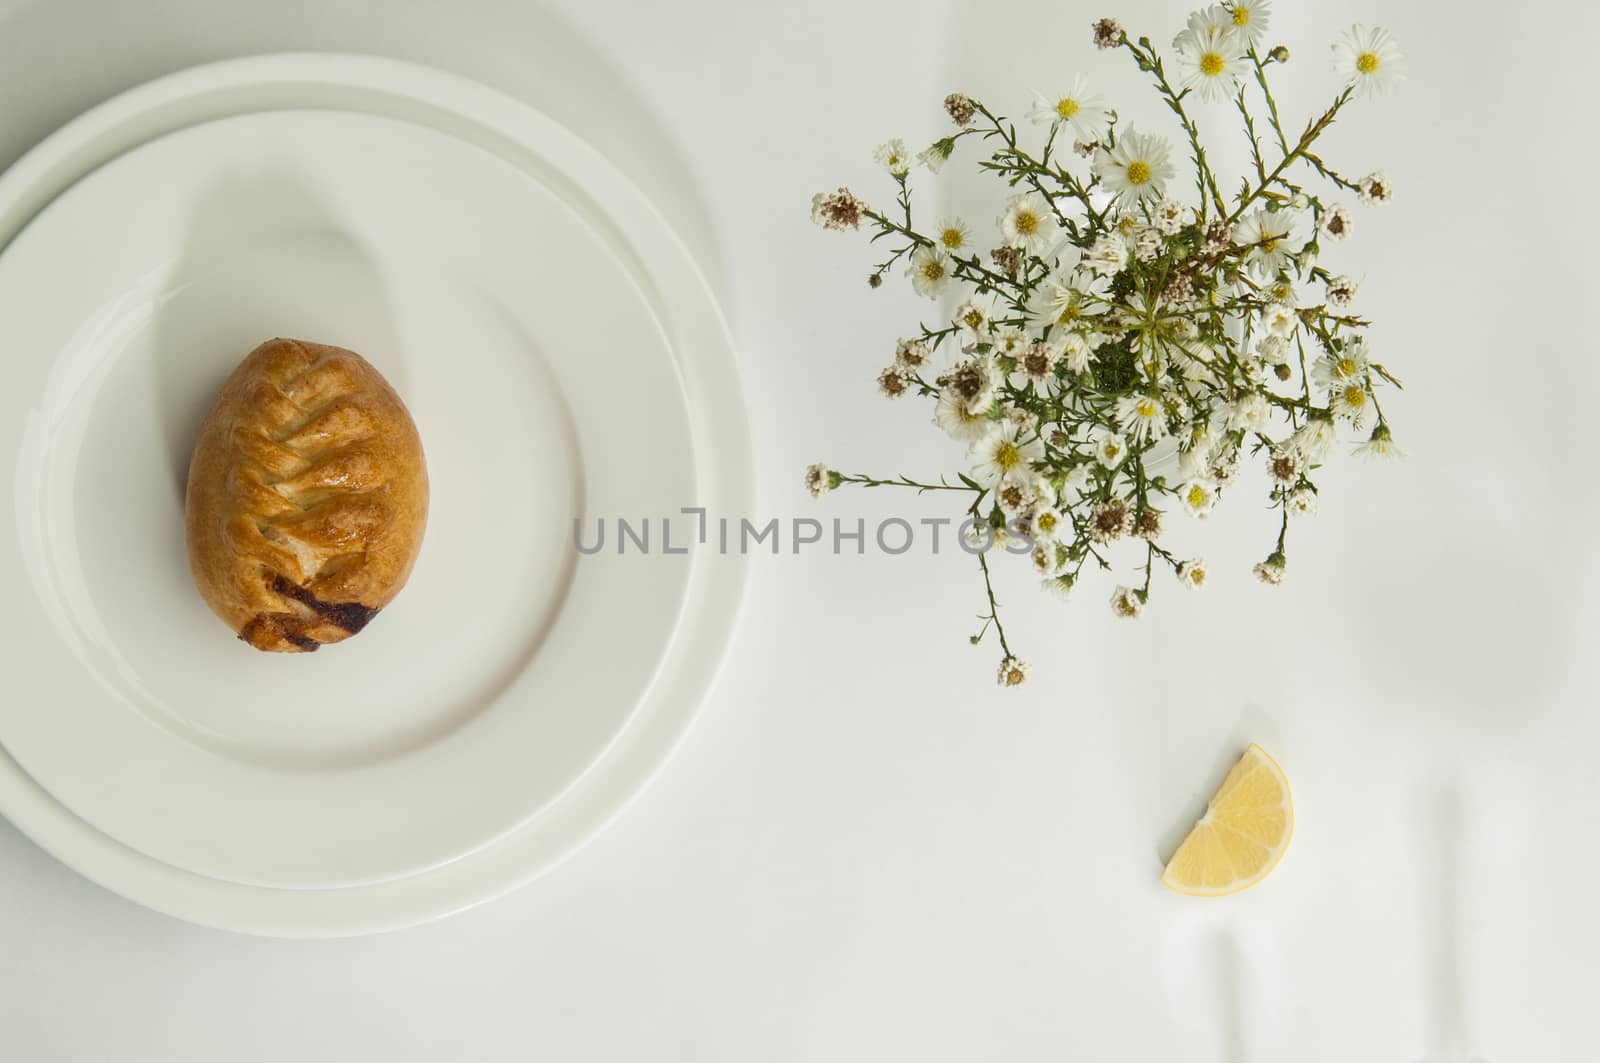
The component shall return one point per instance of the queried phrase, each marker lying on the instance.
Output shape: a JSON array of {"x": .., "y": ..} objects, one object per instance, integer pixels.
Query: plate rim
[{"x": 716, "y": 587}]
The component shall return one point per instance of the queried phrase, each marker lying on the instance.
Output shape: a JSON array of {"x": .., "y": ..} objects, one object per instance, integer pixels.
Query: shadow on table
[{"x": 59, "y": 58}]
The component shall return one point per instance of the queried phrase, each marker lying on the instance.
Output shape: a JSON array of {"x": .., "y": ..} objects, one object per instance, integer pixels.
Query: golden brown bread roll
[{"x": 307, "y": 497}]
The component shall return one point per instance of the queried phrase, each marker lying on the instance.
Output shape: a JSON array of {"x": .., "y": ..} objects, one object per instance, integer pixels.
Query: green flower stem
[
  {"x": 1145, "y": 54},
  {"x": 1314, "y": 130},
  {"x": 994, "y": 608},
  {"x": 906, "y": 481}
]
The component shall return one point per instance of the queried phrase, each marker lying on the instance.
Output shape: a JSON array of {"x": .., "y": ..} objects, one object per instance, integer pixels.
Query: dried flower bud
[
  {"x": 1013, "y": 673},
  {"x": 1280, "y": 54},
  {"x": 1270, "y": 571},
  {"x": 875, "y": 280},
  {"x": 1282, "y": 371},
  {"x": 1107, "y": 33},
  {"x": 1147, "y": 525},
  {"x": 1086, "y": 148},
  {"x": 820, "y": 480},
  {"x": 1009, "y": 259},
  {"x": 892, "y": 382},
  {"x": 960, "y": 107},
  {"x": 1341, "y": 290}
]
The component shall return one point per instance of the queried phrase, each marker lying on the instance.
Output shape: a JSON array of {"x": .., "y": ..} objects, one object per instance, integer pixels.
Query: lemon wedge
[{"x": 1242, "y": 836}]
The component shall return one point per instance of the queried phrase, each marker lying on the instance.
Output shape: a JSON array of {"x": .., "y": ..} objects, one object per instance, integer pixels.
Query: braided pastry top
[{"x": 307, "y": 497}]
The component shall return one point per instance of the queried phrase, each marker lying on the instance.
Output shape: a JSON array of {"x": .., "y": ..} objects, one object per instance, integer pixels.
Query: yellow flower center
[
  {"x": 972, "y": 319},
  {"x": 1197, "y": 496},
  {"x": 1047, "y": 522},
  {"x": 1147, "y": 408},
  {"x": 1027, "y": 222},
  {"x": 1066, "y": 108},
  {"x": 1007, "y": 456},
  {"x": 932, "y": 270},
  {"x": 1014, "y": 677},
  {"x": 1110, "y": 450},
  {"x": 1367, "y": 62},
  {"x": 1138, "y": 172},
  {"x": 1197, "y": 576},
  {"x": 951, "y": 238},
  {"x": 1241, "y": 17},
  {"x": 1270, "y": 243},
  {"x": 1355, "y": 396},
  {"x": 1212, "y": 64},
  {"x": 1346, "y": 366}
]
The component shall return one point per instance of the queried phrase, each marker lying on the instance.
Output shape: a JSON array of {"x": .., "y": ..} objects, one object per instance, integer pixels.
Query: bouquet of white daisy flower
[{"x": 1119, "y": 350}]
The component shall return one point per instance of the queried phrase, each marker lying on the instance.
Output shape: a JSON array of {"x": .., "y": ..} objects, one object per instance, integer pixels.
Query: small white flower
[
  {"x": 1038, "y": 362},
  {"x": 1341, "y": 291},
  {"x": 839, "y": 210},
  {"x": 819, "y": 480},
  {"x": 891, "y": 155},
  {"x": 1337, "y": 222},
  {"x": 1267, "y": 237},
  {"x": 1279, "y": 320},
  {"x": 1193, "y": 573},
  {"x": 1013, "y": 673},
  {"x": 959, "y": 422},
  {"x": 1273, "y": 349},
  {"x": 1017, "y": 417},
  {"x": 1199, "y": 497},
  {"x": 1146, "y": 243},
  {"x": 1142, "y": 417},
  {"x": 1029, "y": 224},
  {"x": 911, "y": 355},
  {"x": 1048, "y": 523},
  {"x": 1380, "y": 445},
  {"x": 1285, "y": 464},
  {"x": 935, "y": 155},
  {"x": 1015, "y": 495},
  {"x": 929, "y": 272},
  {"x": 892, "y": 382},
  {"x": 1299, "y": 201},
  {"x": 975, "y": 318},
  {"x": 1302, "y": 501},
  {"x": 1376, "y": 189},
  {"x": 1348, "y": 366},
  {"x": 1060, "y": 586},
  {"x": 1108, "y": 255},
  {"x": 1127, "y": 603},
  {"x": 1075, "y": 352},
  {"x": 1062, "y": 299},
  {"x": 1110, "y": 449},
  {"x": 1313, "y": 439},
  {"x": 1002, "y": 452},
  {"x": 1211, "y": 56},
  {"x": 1250, "y": 18},
  {"x": 1045, "y": 558},
  {"x": 1084, "y": 115},
  {"x": 1009, "y": 341},
  {"x": 954, "y": 235},
  {"x": 1351, "y": 402},
  {"x": 1171, "y": 216},
  {"x": 1270, "y": 571},
  {"x": 1137, "y": 168},
  {"x": 974, "y": 381},
  {"x": 1369, "y": 59},
  {"x": 1249, "y": 412}
]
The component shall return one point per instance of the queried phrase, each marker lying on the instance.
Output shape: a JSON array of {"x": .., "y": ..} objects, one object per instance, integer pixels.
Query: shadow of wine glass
[
  {"x": 1443, "y": 830},
  {"x": 62, "y": 57},
  {"x": 213, "y": 312}
]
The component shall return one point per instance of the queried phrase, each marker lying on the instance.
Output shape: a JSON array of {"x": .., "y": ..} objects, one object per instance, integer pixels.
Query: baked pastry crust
[{"x": 307, "y": 497}]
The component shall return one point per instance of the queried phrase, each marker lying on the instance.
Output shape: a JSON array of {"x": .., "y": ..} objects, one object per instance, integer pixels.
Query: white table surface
[{"x": 864, "y": 851}]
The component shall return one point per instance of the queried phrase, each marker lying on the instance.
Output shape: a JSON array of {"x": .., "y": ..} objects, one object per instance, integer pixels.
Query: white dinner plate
[{"x": 563, "y": 359}]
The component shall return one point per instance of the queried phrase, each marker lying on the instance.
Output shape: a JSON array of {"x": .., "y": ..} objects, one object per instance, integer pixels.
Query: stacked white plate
[{"x": 563, "y": 358}]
